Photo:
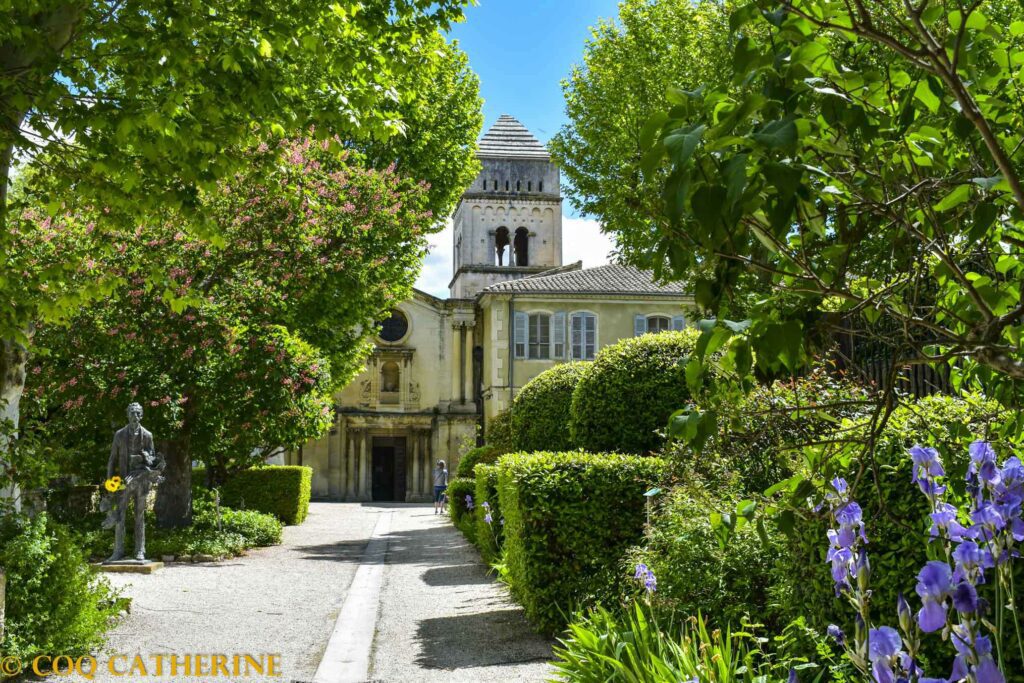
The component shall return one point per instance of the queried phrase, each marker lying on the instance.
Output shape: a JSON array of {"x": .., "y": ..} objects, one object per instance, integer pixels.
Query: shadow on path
[
  {"x": 443, "y": 641},
  {"x": 455, "y": 575},
  {"x": 432, "y": 545}
]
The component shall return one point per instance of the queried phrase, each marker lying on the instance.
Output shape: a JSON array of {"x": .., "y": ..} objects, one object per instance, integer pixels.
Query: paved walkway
[{"x": 438, "y": 615}]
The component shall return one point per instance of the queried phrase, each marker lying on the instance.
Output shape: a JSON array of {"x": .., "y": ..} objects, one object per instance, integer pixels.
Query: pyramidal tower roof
[{"x": 509, "y": 138}]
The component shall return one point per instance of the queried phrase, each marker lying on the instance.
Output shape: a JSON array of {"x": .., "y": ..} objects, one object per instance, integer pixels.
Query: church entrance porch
[{"x": 388, "y": 475}]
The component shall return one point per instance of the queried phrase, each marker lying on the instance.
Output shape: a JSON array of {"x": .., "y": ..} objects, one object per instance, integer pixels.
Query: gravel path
[
  {"x": 283, "y": 599},
  {"x": 441, "y": 617}
]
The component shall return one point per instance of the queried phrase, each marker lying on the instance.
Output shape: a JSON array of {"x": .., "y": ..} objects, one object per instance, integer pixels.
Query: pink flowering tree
[{"x": 235, "y": 345}]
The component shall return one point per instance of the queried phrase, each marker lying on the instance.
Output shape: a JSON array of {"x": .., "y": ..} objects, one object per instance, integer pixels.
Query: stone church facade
[{"x": 442, "y": 368}]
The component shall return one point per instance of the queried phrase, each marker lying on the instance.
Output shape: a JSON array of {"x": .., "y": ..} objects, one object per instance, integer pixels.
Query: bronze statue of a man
[{"x": 133, "y": 458}]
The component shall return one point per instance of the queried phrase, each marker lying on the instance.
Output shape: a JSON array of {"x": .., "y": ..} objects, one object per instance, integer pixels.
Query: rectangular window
[
  {"x": 540, "y": 336},
  {"x": 584, "y": 336},
  {"x": 659, "y": 323}
]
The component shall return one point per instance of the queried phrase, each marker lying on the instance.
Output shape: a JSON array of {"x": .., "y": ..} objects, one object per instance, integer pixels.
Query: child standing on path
[{"x": 440, "y": 484}]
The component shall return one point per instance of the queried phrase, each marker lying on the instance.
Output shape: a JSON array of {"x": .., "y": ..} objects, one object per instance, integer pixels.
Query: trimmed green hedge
[
  {"x": 457, "y": 491},
  {"x": 630, "y": 391},
  {"x": 279, "y": 490},
  {"x": 569, "y": 518},
  {"x": 540, "y": 411},
  {"x": 481, "y": 454},
  {"x": 489, "y": 537},
  {"x": 498, "y": 432}
]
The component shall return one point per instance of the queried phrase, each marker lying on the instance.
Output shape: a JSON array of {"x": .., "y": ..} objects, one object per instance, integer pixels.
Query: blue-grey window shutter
[
  {"x": 519, "y": 334},
  {"x": 639, "y": 325},
  {"x": 678, "y": 322},
  {"x": 558, "y": 335}
]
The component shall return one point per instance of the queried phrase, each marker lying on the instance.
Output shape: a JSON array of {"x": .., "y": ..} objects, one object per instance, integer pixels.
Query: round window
[{"x": 395, "y": 327}]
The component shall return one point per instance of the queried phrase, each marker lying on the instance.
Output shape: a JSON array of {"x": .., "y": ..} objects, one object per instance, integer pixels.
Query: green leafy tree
[
  {"x": 863, "y": 164},
  {"x": 137, "y": 106},
  {"x": 238, "y": 347},
  {"x": 628, "y": 66}
]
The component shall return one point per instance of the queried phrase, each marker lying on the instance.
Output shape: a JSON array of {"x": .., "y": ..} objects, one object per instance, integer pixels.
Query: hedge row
[
  {"x": 489, "y": 535},
  {"x": 481, "y": 454},
  {"x": 457, "y": 491},
  {"x": 620, "y": 402},
  {"x": 279, "y": 490},
  {"x": 569, "y": 518},
  {"x": 540, "y": 411}
]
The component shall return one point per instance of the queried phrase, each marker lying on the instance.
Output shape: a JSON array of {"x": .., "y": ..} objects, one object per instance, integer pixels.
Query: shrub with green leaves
[
  {"x": 481, "y": 454},
  {"x": 55, "y": 603},
  {"x": 630, "y": 391},
  {"x": 489, "y": 534},
  {"x": 698, "y": 570},
  {"x": 458, "y": 505},
  {"x": 540, "y": 411},
  {"x": 280, "y": 490},
  {"x": 239, "y": 530},
  {"x": 895, "y": 513},
  {"x": 257, "y": 528},
  {"x": 498, "y": 432},
  {"x": 569, "y": 518},
  {"x": 760, "y": 436}
]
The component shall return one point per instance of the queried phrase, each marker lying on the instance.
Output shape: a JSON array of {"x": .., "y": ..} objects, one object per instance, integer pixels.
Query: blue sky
[{"x": 521, "y": 50}]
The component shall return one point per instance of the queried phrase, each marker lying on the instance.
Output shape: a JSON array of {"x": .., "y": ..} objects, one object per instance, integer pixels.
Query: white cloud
[
  {"x": 582, "y": 240},
  {"x": 437, "y": 267}
]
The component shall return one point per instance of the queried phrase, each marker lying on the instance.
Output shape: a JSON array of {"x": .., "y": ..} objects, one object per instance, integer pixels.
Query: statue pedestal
[{"x": 130, "y": 566}]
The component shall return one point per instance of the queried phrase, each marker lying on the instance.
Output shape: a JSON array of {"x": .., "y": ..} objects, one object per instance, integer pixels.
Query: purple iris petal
[
  {"x": 641, "y": 571},
  {"x": 883, "y": 642},
  {"x": 983, "y": 462},
  {"x": 971, "y": 561},
  {"x": 945, "y": 519},
  {"x": 965, "y": 598},
  {"x": 836, "y": 633},
  {"x": 934, "y": 584},
  {"x": 934, "y": 579},
  {"x": 932, "y": 616},
  {"x": 987, "y": 671},
  {"x": 881, "y": 672}
]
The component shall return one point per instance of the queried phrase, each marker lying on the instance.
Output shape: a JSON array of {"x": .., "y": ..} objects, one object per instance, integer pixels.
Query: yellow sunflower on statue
[{"x": 113, "y": 484}]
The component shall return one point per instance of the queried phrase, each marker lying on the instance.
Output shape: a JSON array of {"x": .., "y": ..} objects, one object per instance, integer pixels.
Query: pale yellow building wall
[
  {"x": 430, "y": 413},
  {"x": 615, "y": 317}
]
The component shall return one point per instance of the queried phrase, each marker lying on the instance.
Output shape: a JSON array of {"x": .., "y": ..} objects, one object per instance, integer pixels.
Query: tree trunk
[
  {"x": 13, "y": 359},
  {"x": 174, "y": 494}
]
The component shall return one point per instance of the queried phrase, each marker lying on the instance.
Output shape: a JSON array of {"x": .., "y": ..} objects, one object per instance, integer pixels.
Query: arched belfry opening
[
  {"x": 513, "y": 227},
  {"x": 521, "y": 246},
  {"x": 501, "y": 247}
]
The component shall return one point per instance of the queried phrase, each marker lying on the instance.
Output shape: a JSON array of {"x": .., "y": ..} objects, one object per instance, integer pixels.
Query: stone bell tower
[{"x": 508, "y": 224}]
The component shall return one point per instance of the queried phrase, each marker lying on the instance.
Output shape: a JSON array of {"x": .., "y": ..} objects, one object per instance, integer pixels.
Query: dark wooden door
[{"x": 388, "y": 470}]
